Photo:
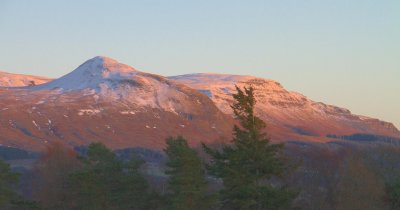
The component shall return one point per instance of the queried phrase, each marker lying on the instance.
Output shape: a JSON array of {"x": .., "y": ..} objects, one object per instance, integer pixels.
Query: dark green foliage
[
  {"x": 8, "y": 182},
  {"x": 247, "y": 166},
  {"x": 9, "y": 198},
  {"x": 187, "y": 177},
  {"x": 106, "y": 182},
  {"x": 22, "y": 204},
  {"x": 393, "y": 193}
]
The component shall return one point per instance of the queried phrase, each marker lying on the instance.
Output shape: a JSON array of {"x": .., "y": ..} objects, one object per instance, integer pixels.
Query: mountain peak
[
  {"x": 91, "y": 74},
  {"x": 104, "y": 64},
  {"x": 102, "y": 60}
]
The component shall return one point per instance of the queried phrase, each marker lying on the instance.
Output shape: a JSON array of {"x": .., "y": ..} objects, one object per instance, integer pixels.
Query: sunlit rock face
[{"x": 289, "y": 115}]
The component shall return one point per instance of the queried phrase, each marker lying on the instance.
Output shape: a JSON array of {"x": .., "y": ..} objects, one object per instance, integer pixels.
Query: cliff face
[{"x": 290, "y": 115}]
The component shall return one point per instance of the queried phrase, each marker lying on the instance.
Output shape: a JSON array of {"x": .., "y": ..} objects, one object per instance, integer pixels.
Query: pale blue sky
[{"x": 340, "y": 52}]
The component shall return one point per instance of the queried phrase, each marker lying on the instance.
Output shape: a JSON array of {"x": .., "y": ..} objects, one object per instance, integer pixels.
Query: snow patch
[
  {"x": 128, "y": 112},
  {"x": 36, "y": 125},
  {"x": 364, "y": 117},
  {"x": 172, "y": 110},
  {"x": 88, "y": 112}
]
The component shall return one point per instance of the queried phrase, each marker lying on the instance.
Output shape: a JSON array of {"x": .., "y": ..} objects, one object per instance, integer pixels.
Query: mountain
[
  {"x": 289, "y": 115},
  {"x": 17, "y": 80},
  {"x": 104, "y": 100}
]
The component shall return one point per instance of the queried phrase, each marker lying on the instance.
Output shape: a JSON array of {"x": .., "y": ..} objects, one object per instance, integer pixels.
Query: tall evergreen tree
[
  {"x": 247, "y": 165},
  {"x": 105, "y": 182},
  {"x": 187, "y": 177}
]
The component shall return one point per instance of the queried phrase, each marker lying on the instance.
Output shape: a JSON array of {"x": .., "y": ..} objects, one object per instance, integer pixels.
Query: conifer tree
[
  {"x": 105, "y": 182},
  {"x": 247, "y": 165},
  {"x": 187, "y": 177}
]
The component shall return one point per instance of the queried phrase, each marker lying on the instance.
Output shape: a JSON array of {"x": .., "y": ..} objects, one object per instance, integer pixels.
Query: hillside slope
[
  {"x": 19, "y": 80},
  {"x": 103, "y": 100}
]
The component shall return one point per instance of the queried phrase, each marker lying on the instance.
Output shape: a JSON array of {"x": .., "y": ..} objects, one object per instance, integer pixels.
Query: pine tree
[
  {"x": 187, "y": 177},
  {"x": 247, "y": 165},
  {"x": 105, "y": 182}
]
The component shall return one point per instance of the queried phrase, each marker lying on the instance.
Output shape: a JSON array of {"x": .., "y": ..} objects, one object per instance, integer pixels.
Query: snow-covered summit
[
  {"x": 107, "y": 80},
  {"x": 92, "y": 74}
]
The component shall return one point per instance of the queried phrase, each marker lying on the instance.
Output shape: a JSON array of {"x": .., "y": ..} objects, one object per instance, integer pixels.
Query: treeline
[
  {"x": 345, "y": 176},
  {"x": 329, "y": 179},
  {"x": 250, "y": 173}
]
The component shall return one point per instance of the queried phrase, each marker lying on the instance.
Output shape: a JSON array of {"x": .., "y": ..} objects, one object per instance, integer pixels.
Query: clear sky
[{"x": 341, "y": 52}]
